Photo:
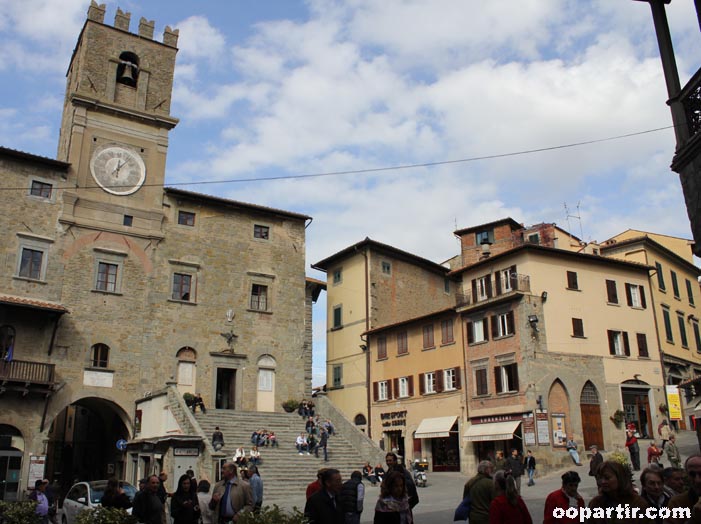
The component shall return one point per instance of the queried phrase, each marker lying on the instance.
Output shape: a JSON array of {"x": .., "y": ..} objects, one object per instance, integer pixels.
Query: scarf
[{"x": 392, "y": 505}]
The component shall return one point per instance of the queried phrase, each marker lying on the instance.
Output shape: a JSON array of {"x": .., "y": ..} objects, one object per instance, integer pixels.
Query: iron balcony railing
[
  {"x": 517, "y": 284},
  {"x": 27, "y": 372},
  {"x": 690, "y": 98}
]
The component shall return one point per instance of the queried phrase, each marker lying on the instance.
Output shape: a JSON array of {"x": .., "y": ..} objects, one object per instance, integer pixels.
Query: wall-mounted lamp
[
  {"x": 533, "y": 321},
  {"x": 544, "y": 296},
  {"x": 363, "y": 347}
]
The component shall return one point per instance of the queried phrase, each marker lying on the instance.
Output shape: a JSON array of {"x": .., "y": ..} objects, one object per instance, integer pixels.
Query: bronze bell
[{"x": 127, "y": 76}]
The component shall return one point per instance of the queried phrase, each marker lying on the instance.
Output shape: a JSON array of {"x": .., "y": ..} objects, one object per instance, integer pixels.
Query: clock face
[{"x": 118, "y": 170}]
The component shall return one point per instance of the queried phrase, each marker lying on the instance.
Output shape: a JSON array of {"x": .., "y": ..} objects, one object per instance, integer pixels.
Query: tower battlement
[{"x": 122, "y": 20}]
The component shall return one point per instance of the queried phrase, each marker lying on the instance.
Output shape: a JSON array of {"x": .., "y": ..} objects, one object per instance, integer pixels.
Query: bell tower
[{"x": 116, "y": 119}]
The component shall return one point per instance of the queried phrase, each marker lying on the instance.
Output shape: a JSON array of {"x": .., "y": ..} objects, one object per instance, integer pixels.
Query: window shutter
[
  {"x": 458, "y": 378},
  {"x": 629, "y": 297},
  {"x": 481, "y": 381},
  {"x": 440, "y": 383},
  {"x": 485, "y": 328},
  {"x": 410, "y": 385},
  {"x": 422, "y": 383},
  {"x": 642, "y": 296},
  {"x": 495, "y": 326},
  {"x": 474, "y": 291},
  {"x": 497, "y": 378},
  {"x": 611, "y": 292},
  {"x": 571, "y": 280},
  {"x": 375, "y": 391},
  {"x": 626, "y": 344},
  {"x": 488, "y": 281},
  {"x": 395, "y": 388},
  {"x": 497, "y": 283},
  {"x": 515, "y": 376},
  {"x": 612, "y": 345},
  {"x": 510, "y": 322},
  {"x": 470, "y": 333},
  {"x": 642, "y": 345}
]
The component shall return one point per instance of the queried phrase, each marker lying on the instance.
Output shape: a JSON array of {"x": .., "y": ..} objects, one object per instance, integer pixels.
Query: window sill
[
  {"x": 639, "y": 308},
  {"x": 335, "y": 328},
  {"x": 620, "y": 356},
  {"x": 451, "y": 343},
  {"x": 692, "y": 305},
  {"x": 403, "y": 354},
  {"x": 641, "y": 357},
  {"x": 481, "y": 397},
  {"x": 27, "y": 279},
  {"x": 334, "y": 388},
  {"x": 662, "y": 290},
  {"x": 262, "y": 311},
  {"x": 685, "y": 347},
  {"x": 616, "y": 304},
  {"x": 188, "y": 302},
  {"x": 507, "y": 394},
  {"x": 678, "y": 298},
  {"x": 103, "y": 292},
  {"x": 573, "y": 289},
  {"x": 382, "y": 359},
  {"x": 503, "y": 336},
  {"x": 479, "y": 343},
  {"x": 101, "y": 370},
  {"x": 428, "y": 348},
  {"x": 429, "y": 393},
  {"x": 579, "y": 336}
]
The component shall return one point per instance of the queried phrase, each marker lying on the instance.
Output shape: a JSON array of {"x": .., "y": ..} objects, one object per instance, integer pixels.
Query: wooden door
[{"x": 591, "y": 426}]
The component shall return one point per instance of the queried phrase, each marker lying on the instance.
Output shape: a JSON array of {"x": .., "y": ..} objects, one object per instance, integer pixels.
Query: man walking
[
  {"x": 529, "y": 463},
  {"x": 480, "y": 488},
  {"x": 515, "y": 465},
  {"x": 672, "y": 452},
  {"x": 323, "y": 507},
  {"x": 323, "y": 444},
  {"x": 230, "y": 496},
  {"x": 147, "y": 506},
  {"x": 352, "y": 496}
]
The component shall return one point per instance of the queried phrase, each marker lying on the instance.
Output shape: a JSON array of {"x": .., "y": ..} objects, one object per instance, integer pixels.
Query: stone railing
[{"x": 370, "y": 451}]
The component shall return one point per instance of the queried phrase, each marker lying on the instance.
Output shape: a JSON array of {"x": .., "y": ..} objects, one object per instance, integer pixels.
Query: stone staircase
[{"x": 285, "y": 473}]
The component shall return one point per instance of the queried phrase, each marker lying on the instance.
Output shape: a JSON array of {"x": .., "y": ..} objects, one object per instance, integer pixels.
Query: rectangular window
[
  {"x": 428, "y": 336},
  {"x": 386, "y": 268},
  {"x": 403, "y": 387},
  {"x": 660, "y": 276},
  {"x": 477, "y": 331},
  {"x": 128, "y": 220},
  {"x": 506, "y": 378},
  {"x": 697, "y": 335},
  {"x": 446, "y": 285},
  {"x": 611, "y": 292},
  {"x": 618, "y": 343},
  {"x": 450, "y": 379},
  {"x": 667, "y": 325},
  {"x": 381, "y": 347},
  {"x": 635, "y": 295},
  {"x": 642, "y": 345},
  {"x": 182, "y": 286},
  {"x": 259, "y": 297},
  {"x": 31, "y": 263},
  {"x": 265, "y": 379},
  {"x": 484, "y": 237},
  {"x": 185, "y": 218},
  {"x": 383, "y": 390},
  {"x": 506, "y": 277},
  {"x": 402, "y": 346},
  {"x": 100, "y": 355},
  {"x": 675, "y": 285},
  {"x": 337, "y": 376},
  {"x": 533, "y": 238},
  {"x": 430, "y": 382},
  {"x": 337, "y": 317},
  {"x": 484, "y": 287},
  {"x": 481, "y": 387},
  {"x": 572, "y": 280},
  {"x": 261, "y": 232},
  {"x": 106, "y": 277},
  {"x": 682, "y": 330},
  {"x": 337, "y": 276},
  {"x": 690, "y": 291},
  {"x": 577, "y": 327},
  {"x": 503, "y": 325},
  {"x": 447, "y": 331},
  {"x": 41, "y": 189}
]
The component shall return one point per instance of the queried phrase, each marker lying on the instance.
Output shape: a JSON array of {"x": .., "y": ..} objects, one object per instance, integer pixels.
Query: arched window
[
  {"x": 128, "y": 69},
  {"x": 7, "y": 342},
  {"x": 187, "y": 358},
  {"x": 360, "y": 420},
  {"x": 100, "y": 355}
]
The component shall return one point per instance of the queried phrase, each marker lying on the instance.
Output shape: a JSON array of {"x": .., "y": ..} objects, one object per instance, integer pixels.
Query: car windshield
[{"x": 97, "y": 490}]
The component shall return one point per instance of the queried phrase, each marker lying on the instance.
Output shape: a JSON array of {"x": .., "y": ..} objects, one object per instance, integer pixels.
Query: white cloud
[{"x": 200, "y": 40}]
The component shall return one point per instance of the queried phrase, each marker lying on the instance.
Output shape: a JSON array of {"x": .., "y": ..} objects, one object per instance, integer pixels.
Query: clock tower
[{"x": 116, "y": 119}]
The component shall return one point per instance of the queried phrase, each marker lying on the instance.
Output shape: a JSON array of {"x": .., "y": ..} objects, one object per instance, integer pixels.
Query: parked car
[{"x": 86, "y": 495}]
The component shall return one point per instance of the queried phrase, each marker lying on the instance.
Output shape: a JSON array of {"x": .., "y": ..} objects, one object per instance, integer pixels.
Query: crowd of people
[
  {"x": 330, "y": 500},
  {"x": 316, "y": 432}
]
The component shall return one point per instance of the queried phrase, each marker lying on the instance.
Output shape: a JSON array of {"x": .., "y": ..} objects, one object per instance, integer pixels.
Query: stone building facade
[{"x": 112, "y": 286}]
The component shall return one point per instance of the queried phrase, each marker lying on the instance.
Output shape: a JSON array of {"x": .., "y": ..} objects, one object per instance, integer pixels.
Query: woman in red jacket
[
  {"x": 563, "y": 499},
  {"x": 507, "y": 507}
]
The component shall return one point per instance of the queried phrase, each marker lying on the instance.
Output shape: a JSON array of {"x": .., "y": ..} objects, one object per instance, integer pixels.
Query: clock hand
[{"x": 119, "y": 166}]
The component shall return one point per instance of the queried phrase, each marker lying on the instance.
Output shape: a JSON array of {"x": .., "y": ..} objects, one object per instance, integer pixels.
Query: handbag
[{"x": 462, "y": 512}]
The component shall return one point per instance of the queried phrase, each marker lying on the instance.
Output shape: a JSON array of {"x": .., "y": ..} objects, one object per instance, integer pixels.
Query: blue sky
[{"x": 290, "y": 88}]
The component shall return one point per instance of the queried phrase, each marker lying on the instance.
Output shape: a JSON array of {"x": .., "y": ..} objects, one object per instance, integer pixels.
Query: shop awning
[
  {"x": 435, "y": 427},
  {"x": 492, "y": 431}
]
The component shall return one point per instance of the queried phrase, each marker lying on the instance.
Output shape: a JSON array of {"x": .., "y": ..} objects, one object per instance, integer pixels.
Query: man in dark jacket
[
  {"x": 324, "y": 507},
  {"x": 352, "y": 496},
  {"x": 148, "y": 507},
  {"x": 394, "y": 465},
  {"x": 515, "y": 464},
  {"x": 529, "y": 465},
  {"x": 596, "y": 459},
  {"x": 480, "y": 488}
]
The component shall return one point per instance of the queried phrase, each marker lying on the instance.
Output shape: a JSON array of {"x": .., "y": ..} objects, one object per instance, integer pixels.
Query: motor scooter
[{"x": 420, "y": 477}]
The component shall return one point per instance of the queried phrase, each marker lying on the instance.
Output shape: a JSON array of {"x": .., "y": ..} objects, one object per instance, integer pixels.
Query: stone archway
[
  {"x": 82, "y": 442},
  {"x": 559, "y": 406}
]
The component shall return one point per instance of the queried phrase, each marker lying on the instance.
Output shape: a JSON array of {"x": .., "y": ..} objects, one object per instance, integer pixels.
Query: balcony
[
  {"x": 690, "y": 98},
  {"x": 518, "y": 285},
  {"x": 25, "y": 376}
]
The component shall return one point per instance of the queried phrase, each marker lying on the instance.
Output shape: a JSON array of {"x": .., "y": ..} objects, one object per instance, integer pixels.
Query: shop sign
[
  {"x": 186, "y": 452},
  {"x": 675, "y": 403},
  {"x": 528, "y": 429},
  {"x": 497, "y": 418},
  {"x": 541, "y": 422},
  {"x": 393, "y": 418}
]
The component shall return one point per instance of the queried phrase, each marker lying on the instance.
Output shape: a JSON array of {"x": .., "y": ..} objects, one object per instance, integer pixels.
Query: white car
[{"x": 86, "y": 495}]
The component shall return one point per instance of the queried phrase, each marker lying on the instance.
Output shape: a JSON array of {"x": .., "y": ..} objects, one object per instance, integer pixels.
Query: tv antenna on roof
[{"x": 568, "y": 215}]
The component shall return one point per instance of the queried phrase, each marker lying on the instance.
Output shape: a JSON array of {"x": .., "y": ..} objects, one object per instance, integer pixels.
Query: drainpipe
[{"x": 367, "y": 351}]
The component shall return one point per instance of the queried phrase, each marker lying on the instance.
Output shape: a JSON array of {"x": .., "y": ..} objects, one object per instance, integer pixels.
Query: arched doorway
[
  {"x": 187, "y": 367},
  {"x": 82, "y": 442},
  {"x": 635, "y": 395},
  {"x": 559, "y": 405},
  {"x": 11, "y": 451},
  {"x": 590, "y": 406},
  {"x": 266, "y": 383}
]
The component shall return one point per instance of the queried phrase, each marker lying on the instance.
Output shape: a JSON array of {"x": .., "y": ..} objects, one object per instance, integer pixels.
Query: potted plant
[
  {"x": 618, "y": 417},
  {"x": 290, "y": 405},
  {"x": 189, "y": 399}
]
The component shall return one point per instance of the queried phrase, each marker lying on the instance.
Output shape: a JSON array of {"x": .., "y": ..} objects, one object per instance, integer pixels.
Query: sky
[{"x": 284, "y": 88}]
